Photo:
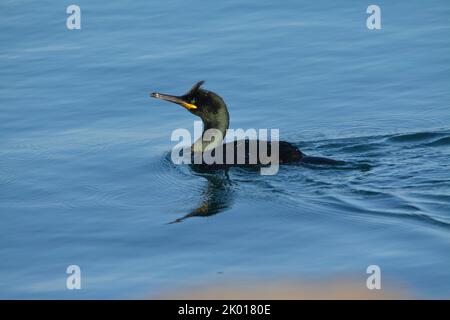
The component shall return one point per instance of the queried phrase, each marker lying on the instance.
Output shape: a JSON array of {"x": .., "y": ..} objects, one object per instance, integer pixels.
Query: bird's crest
[{"x": 195, "y": 88}]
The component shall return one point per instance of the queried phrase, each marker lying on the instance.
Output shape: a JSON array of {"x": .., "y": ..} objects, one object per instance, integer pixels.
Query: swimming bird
[{"x": 213, "y": 112}]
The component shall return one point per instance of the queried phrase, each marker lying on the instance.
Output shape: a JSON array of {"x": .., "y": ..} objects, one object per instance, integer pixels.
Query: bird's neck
[{"x": 220, "y": 123}]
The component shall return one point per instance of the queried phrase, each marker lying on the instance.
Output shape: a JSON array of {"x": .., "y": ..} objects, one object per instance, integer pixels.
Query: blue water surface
[{"x": 85, "y": 172}]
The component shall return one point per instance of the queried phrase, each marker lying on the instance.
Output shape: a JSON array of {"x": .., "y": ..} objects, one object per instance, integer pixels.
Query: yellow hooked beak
[{"x": 174, "y": 99}]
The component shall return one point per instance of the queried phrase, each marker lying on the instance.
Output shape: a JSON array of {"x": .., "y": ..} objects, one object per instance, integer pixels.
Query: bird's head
[{"x": 205, "y": 104}]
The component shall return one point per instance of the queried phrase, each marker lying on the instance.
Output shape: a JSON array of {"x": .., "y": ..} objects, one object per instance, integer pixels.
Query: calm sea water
[{"x": 85, "y": 176}]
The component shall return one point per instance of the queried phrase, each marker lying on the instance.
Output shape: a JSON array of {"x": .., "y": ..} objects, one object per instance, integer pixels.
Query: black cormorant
[{"x": 213, "y": 111}]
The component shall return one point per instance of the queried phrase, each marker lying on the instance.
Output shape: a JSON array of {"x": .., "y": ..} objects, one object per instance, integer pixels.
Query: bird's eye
[{"x": 193, "y": 101}]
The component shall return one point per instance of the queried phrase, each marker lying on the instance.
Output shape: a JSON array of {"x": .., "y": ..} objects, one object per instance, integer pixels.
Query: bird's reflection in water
[{"x": 217, "y": 195}]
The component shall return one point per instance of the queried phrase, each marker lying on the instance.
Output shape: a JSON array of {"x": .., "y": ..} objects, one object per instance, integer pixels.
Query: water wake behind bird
[{"x": 384, "y": 177}]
